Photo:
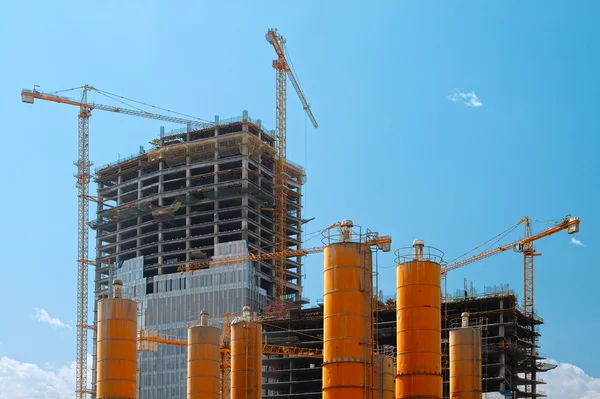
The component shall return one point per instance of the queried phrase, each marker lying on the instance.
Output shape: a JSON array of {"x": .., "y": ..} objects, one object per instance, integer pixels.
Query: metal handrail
[{"x": 407, "y": 254}]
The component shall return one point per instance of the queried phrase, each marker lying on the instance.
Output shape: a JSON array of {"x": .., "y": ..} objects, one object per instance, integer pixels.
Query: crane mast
[
  {"x": 83, "y": 188},
  {"x": 282, "y": 70},
  {"x": 280, "y": 175},
  {"x": 83, "y": 177}
]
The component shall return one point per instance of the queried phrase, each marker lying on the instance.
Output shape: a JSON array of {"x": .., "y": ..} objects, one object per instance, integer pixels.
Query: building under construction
[
  {"x": 197, "y": 195},
  {"x": 224, "y": 194},
  {"x": 509, "y": 345}
]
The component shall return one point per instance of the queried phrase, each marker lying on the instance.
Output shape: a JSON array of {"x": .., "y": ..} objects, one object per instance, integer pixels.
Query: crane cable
[
  {"x": 112, "y": 96},
  {"x": 150, "y": 105},
  {"x": 500, "y": 236},
  {"x": 62, "y": 91},
  {"x": 122, "y": 102}
]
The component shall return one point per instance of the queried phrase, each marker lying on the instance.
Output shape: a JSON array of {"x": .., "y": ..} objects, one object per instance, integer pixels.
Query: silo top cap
[
  {"x": 246, "y": 312},
  {"x": 244, "y": 317},
  {"x": 418, "y": 242}
]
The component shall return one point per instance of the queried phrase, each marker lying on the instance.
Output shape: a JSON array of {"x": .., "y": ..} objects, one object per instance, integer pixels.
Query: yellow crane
[
  {"x": 382, "y": 242},
  {"x": 225, "y": 350},
  {"x": 231, "y": 260},
  {"x": 283, "y": 70},
  {"x": 525, "y": 246},
  {"x": 268, "y": 349},
  {"x": 83, "y": 177}
]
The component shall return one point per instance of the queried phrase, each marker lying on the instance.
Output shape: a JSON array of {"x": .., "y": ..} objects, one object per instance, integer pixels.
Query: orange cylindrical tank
[
  {"x": 246, "y": 357},
  {"x": 465, "y": 362},
  {"x": 388, "y": 377},
  {"x": 377, "y": 376},
  {"x": 204, "y": 360},
  {"x": 116, "y": 347},
  {"x": 383, "y": 371},
  {"x": 418, "y": 326},
  {"x": 347, "y": 325}
]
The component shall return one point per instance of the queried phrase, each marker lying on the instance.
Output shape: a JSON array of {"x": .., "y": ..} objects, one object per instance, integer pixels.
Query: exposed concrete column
[
  {"x": 161, "y": 189},
  {"x": 119, "y": 203},
  {"x": 291, "y": 374},
  {"x": 300, "y": 226},
  {"x": 245, "y": 186},
  {"x": 188, "y": 219},
  {"x": 215, "y": 181},
  {"x": 215, "y": 201},
  {"x": 502, "y": 372},
  {"x": 138, "y": 230}
]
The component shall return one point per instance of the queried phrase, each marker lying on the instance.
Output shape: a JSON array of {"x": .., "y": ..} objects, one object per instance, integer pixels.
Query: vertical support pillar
[
  {"x": 245, "y": 186},
  {"x": 502, "y": 373},
  {"x": 138, "y": 241},
  {"x": 216, "y": 168},
  {"x": 161, "y": 190},
  {"x": 188, "y": 220}
]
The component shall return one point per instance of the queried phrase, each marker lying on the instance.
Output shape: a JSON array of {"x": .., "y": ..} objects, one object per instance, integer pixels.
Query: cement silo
[
  {"x": 383, "y": 371},
  {"x": 116, "y": 351},
  {"x": 204, "y": 360},
  {"x": 246, "y": 357},
  {"x": 465, "y": 361},
  {"x": 418, "y": 324},
  {"x": 347, "y": 325}
]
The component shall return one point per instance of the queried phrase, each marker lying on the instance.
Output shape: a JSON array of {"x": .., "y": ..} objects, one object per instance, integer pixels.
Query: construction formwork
[
  {"x": 197, "y": 195},
  {"x": 510, "y": 354}
]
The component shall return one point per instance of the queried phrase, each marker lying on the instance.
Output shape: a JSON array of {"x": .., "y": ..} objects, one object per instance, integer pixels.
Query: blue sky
[{"x": 392, "y": 152}]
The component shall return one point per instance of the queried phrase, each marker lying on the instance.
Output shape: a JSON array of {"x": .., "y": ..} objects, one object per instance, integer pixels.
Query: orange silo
[
  {"x": 377, "y": 376},
  {"x": 388, "y": 377},
  {"x": 204, "y": 360},
  {"x": 383, "y": 371},
  {"x": 246, "y": 357},
  {"x": 347, "y": 313},
  {"x": 116, "y": 351},
  {"x": 418, "y": 324},
  {"x": 465, "y": 361}
]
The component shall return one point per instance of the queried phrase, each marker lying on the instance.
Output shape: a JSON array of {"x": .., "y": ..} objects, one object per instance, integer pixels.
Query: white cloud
[
  {"x": 575, "y": 241},
  {"x": 43, "y": 317},
  {"x": 565, "y": 382},
  {"x": 468, "y": 99},
  {"x": 570, "y": 382},
  {"x": 28, "y": 380}
]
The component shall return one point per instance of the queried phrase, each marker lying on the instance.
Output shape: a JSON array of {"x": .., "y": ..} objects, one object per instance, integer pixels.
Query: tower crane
[
  {"x": 374, "y": 239},
  {"x": 225, "y": 350},
  {"x": 282, "y": 69},
  {"x": 83, "y": 181},
  {"x": 268, "y": 349},
  {"x": 524, "y": 246}
]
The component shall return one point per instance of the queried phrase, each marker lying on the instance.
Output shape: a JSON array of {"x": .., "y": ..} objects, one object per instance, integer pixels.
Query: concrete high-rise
[{"x": 197, "y": 195}]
